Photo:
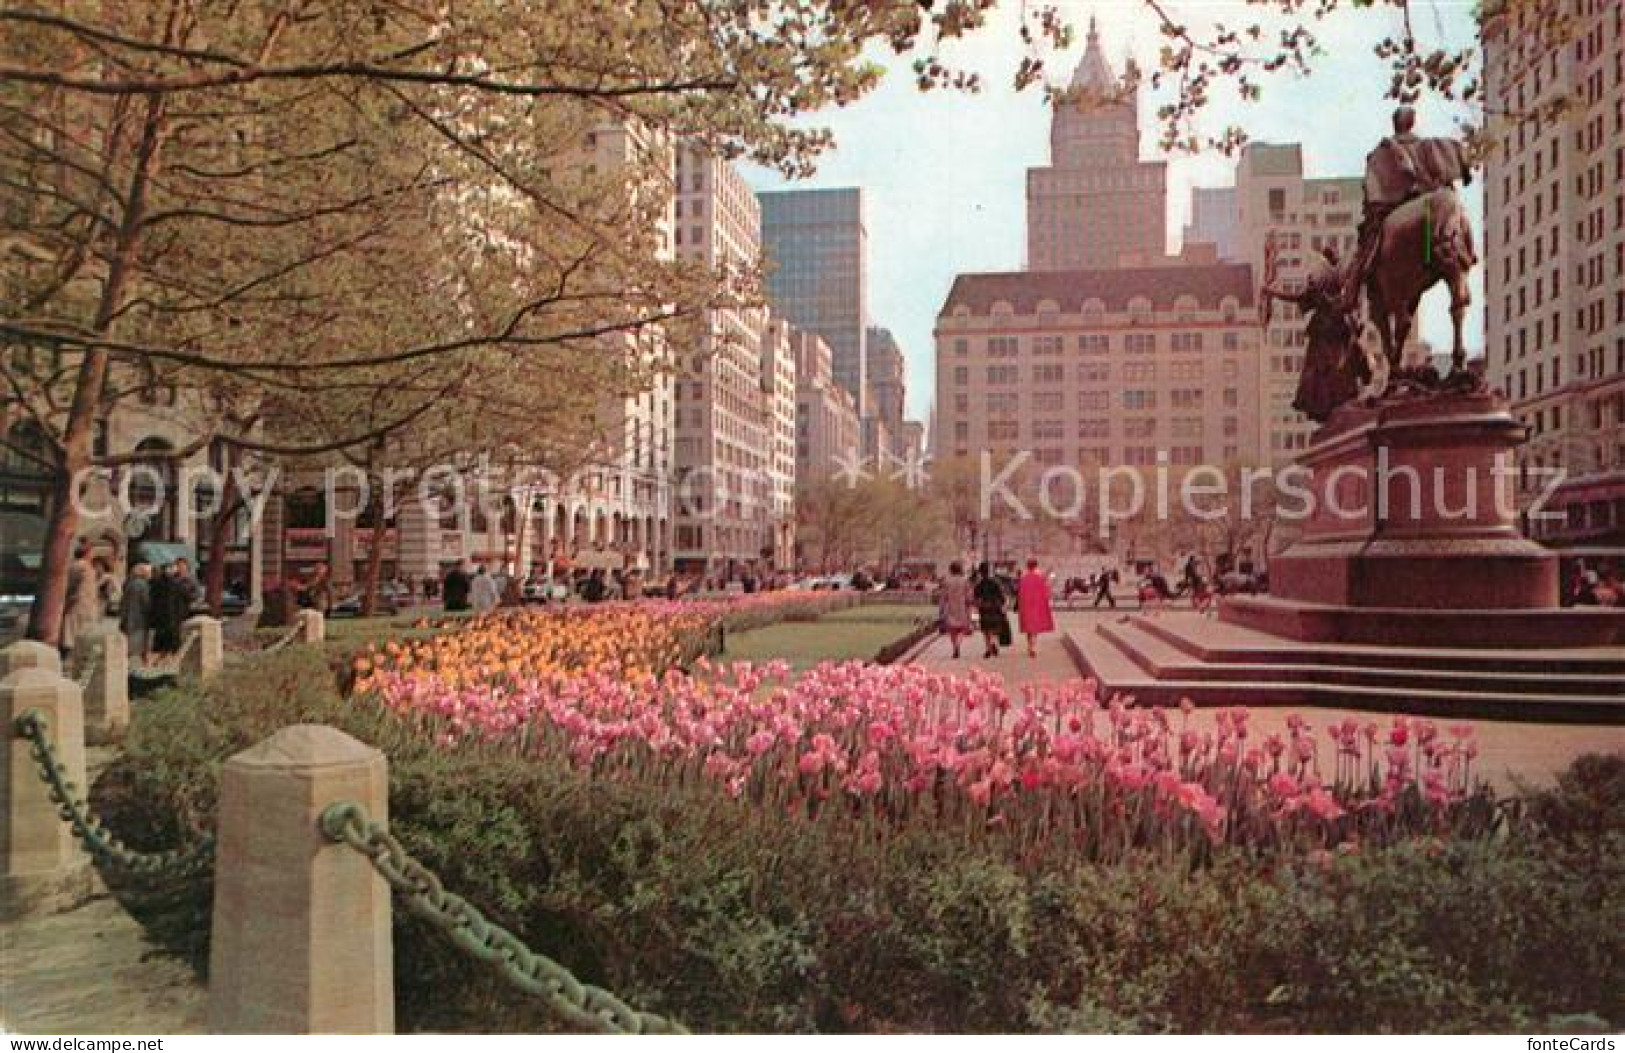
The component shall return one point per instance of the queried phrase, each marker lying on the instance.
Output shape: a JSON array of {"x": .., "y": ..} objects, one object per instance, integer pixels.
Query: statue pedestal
[
  {"x": 1411, "y": 539},
  {"x": 1414, "y": 506}
]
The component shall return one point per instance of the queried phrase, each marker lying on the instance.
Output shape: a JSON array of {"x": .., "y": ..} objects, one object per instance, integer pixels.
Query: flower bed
[{"x": 1054, "y": 768}]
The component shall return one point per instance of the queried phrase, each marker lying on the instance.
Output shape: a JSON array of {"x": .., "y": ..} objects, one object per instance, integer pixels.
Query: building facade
[
  {"x": 1092, "y": 369},
  {"x": 779, "y": 399},
  {"x": 1096, "y": 200},
  {"x": 816, "y": 249},
  {"x": 827, "y": 430},
  {"x": 1554, "y": 254},
  {"x": 888, "y": 392},
  {"x": 724, "y": 453}
]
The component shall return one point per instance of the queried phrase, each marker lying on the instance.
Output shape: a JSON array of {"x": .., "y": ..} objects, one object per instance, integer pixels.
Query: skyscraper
[
  {"x": 724, "y": 440},
  {"x": 1554, "y": 255},
  {"x": 1096, "y": 201},
  {"x": 816, "y": 249},
  {"x": 887, "y": 390}
]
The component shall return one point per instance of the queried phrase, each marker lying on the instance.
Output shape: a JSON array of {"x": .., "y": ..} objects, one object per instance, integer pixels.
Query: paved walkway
[
  {"x": 93, "y": 970},
  {"x": 1510, "y": 753}
]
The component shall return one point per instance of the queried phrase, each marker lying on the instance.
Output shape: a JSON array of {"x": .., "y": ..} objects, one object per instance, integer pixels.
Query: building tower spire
[{"x": 1094, "y": 73}]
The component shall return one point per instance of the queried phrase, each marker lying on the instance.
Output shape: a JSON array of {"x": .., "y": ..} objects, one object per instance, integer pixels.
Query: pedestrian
[
  {"x": 191, "y": 591},
  {"x": 1032, "y": 603},
  {"x": 1103, "y": 588},
  {"x": 482, "y": 591},
  {"x": 455, "y": 589},
  {"x": 84, "y": 605},
  {"x": 673, "y": 586},
  {"x": 953, "y": 605},
  {"x": 135, "y": 613},
  {"x": 989, "y": 596},
  {"x": 1608, "y": 590},
  {"x": 167, "y": 610},
  {"x": 319, "y": 591},
  {"x": 595, "y": 588}
]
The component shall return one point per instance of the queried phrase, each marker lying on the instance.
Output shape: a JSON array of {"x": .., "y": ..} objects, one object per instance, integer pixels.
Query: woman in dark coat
[
  {"x": 168, "y": 605},
  {"x": 990, "y": 599}
]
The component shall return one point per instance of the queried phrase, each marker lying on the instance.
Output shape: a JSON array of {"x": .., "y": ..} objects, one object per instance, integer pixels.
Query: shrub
[{"x": 733, "y": 916}]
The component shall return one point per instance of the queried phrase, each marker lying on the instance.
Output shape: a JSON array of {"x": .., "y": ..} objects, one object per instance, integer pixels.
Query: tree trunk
[
  {"x": 50, "y": 602},
  {"x": 375, "y": 554}
]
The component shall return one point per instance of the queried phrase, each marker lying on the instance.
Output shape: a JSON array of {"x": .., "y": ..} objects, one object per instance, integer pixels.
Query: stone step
[
  {"x": 1101, "y": 656},
  {"x": 1209, "y": 640},
  {"x": 1158, "y": 656}
]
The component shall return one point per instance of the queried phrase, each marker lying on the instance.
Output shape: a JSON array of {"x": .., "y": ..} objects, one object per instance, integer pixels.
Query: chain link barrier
[
  {"x": 108, "y": 852},
  {"x": 582, "y": 1005},
  {"x": 283, "y": 641}
]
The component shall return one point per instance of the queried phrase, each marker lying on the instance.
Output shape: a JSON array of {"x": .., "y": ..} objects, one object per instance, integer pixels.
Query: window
[
  {"x": 1187, "y": 398},
  {"x": 1139, "y": 398},
  {"x": 1232, "y": 341},
  {"x": 1054, "y": 374},
  {"x": 1094, "y": 429},
  {"x": 1187, "y": 427},
  {"x": 1139, "y": 371},
  {"x": 1098, "y": 401},
  {"x": 961, "y": 347},
  {"x": 1048, "y": 345},
  {"x": 1049, "y": 402},
  {"x": 1094, "y": 372},
  {"x": 1048, "y": 429},
  {"x": 1187, "y": 341},
  {"x": 1003, "y": 374},
  {"x": 1140, "y": 343},
  {"x": 1186, "y": 370},
  {"x": 1003, "y": 402},
  {"x": 1003, "y": 347},
  {"x": 961, "y": 376},
  {"x": 1003, "y": 430},
  {"x": 1140, "y": 428},
  {"x": 1094, "y": 344}
]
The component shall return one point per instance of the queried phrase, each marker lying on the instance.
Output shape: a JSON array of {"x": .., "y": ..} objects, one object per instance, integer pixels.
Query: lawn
[{"x": 852, "y": 634}]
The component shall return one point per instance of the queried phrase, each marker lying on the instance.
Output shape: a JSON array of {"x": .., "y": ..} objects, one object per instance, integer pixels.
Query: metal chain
[
  {"x": 286, "y": 639},
  {"x": 89, "y": 672},
  {"x": 33, "y": 726},
  {"x": 582, "y": 1005}
]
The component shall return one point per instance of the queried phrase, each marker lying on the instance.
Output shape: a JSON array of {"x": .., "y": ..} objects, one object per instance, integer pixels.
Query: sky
[{"x": 944, "y": 173}]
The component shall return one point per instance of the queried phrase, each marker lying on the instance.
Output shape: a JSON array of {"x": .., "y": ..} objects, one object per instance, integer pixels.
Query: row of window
[{"x": 1051, "y": 345}]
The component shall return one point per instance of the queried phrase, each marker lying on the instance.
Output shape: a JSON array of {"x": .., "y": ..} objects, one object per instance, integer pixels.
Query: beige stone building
[
  {"x": 1096, "y": 200},
  {"x": 724, "y": 500},
  {"x": 1554, "y": 252},
  {"x": 827, "y": 429},
  {"x": 1094, "y": 368}
]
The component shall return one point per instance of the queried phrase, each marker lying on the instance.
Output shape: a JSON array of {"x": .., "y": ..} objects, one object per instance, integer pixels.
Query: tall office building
[
  {"x": 1554, "y": 253},
  {"x": 816, "y": 249},
  {"x": 826, "y": 416},
  {"x": 778, "y": 374},
  {"x": 887, "y": 394},
  {"x": 723, "y": 450},
  {"x": 1096, "y": 201}
]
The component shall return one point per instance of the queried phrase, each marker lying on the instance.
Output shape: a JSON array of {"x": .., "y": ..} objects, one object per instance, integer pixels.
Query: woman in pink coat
[{"x": 1032, "y": 601}]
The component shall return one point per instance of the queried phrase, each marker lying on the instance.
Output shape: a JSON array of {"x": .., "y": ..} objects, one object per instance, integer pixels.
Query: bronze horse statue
[{"x": 1424, "y": 241}]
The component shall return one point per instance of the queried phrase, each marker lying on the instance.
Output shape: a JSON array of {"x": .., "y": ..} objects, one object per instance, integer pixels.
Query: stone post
[
  {"x": 41, "y": 864},
  {"x": 301, "y": 932},
  {"x": 107, "y": 697},
  {"x": 204, "y": 658},
  {"x": 312, "y": 626},
  {"x": 29, "y": 654}
]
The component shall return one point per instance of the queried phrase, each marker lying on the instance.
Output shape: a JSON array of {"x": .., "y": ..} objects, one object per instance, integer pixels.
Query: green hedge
[{"x": 728, "y": 919}]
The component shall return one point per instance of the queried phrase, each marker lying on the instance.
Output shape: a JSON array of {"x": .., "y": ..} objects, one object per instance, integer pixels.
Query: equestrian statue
[{"x": 1414, "y": 233}]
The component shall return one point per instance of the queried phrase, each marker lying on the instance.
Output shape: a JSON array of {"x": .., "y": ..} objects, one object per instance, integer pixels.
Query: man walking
[{"x": 135, "y": 613}]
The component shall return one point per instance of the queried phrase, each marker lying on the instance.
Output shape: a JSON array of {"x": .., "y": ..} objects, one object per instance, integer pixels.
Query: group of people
[
  {"x": 152, "y": 604},
  {"x": 989, "y": 596}
]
